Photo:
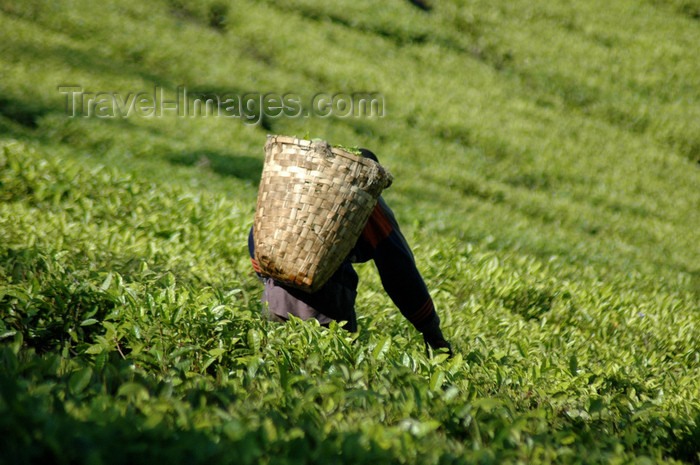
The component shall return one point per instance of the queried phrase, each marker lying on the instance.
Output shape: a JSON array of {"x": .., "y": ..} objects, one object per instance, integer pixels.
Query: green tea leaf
[{"x": 79, "y": 380}]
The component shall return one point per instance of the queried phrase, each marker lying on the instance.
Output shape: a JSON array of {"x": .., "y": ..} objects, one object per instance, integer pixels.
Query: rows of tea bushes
[
  {"x": 545, "y": 157},
  {"x": 131, "y": 333}
]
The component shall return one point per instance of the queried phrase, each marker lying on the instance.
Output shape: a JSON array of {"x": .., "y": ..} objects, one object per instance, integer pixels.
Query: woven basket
[{"x": 313, "y": 202}]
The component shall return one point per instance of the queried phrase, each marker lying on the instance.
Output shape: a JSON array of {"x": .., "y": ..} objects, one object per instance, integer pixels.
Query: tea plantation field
[{"x": 546, "y": 157}]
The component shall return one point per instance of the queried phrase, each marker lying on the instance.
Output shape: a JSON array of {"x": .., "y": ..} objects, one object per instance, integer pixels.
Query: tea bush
[{"x": 546, "y": 175}]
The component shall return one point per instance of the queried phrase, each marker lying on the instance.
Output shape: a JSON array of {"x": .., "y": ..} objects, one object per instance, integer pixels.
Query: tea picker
[{"x": 319, "y": 210}]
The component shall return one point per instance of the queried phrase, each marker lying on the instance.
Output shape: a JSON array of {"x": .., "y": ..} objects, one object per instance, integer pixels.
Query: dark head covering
[{"x": 367, "y": 154}]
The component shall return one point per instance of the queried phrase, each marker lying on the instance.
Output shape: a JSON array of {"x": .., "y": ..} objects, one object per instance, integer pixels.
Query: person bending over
[{"x": 382, "y": 241}]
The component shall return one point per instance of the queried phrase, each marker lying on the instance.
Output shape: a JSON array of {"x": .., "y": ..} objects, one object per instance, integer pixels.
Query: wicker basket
[{"x": 313, "y": 203}]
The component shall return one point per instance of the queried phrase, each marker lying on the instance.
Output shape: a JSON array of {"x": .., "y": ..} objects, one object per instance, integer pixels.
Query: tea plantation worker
[{"x": 382, "y": 241}]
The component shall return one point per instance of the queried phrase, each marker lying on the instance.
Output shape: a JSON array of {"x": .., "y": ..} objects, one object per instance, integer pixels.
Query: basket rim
[{"x": 307, "y": 143}]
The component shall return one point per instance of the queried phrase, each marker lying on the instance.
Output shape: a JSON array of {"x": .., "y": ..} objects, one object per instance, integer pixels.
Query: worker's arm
[{"x": 383, "y": 241}]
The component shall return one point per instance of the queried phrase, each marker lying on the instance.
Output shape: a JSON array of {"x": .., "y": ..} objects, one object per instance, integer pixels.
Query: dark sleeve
[{"x": 383, "y": 241}]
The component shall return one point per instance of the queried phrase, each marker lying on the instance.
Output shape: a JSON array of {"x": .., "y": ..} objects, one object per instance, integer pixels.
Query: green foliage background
[{"x": 547, "y": 166}]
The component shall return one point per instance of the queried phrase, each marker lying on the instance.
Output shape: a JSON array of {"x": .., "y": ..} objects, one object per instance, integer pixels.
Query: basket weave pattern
[{"x": 313, "y": 203}]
